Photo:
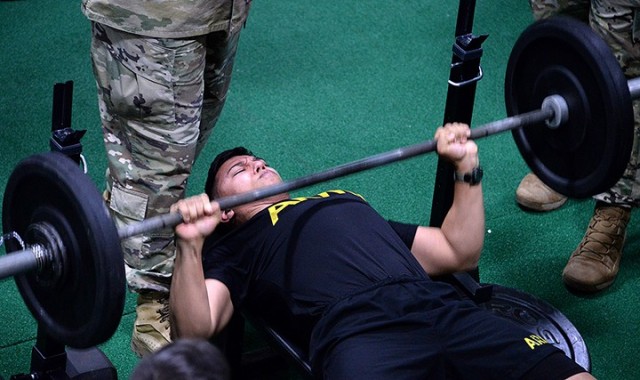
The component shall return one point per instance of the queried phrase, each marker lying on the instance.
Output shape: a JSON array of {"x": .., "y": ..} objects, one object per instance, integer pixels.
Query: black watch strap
[{"x": 472, "y": 178}]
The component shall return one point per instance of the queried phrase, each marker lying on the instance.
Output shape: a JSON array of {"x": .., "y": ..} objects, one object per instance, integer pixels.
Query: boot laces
[
  {"x": 164, "y": 309},
  {"x": 605, "y": 236}
]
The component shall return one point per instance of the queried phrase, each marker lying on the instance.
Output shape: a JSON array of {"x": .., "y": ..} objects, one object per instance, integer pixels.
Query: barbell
[{"x": 569, "y": 109}]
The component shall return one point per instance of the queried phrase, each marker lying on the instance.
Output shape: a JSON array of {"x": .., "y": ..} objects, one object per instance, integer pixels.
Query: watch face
[{"x": 472, "y": 178}]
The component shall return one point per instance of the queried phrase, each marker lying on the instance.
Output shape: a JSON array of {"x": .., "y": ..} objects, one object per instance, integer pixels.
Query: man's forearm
[
  {"x": 189, "y": 301},
  {"x": 464, "y": 225}
]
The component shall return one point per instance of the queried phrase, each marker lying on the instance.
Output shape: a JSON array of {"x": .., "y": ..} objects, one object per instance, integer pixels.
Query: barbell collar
[
  {"x": 634, "y": 88},
  {"x": 560, "y": 110},
  {"x": 160, "y": 222}
]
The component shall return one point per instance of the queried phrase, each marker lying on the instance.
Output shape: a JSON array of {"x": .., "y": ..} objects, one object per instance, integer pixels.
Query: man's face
[{"x": 241, "y": 174}]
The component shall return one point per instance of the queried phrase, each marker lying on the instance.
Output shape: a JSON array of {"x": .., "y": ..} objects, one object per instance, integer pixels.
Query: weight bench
[{"x": 532, "y": 313}]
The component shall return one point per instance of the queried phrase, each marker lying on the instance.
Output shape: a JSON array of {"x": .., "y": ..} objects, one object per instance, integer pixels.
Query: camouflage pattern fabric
[
  {"x": 618, "y": 23},
  {"x": 168, "y": 18},
  {"x": 159, "y": 100}
]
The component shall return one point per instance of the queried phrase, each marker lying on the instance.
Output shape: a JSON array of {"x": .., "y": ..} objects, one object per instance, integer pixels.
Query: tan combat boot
[
  {"x": 594, "y": 265},
  {"x": 151, "y": 329},
  {"x": 533, "y": 194}
]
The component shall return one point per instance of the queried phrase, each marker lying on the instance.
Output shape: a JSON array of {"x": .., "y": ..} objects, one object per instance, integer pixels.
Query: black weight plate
[
  {"x": 541, "y": 319},
  {"x": 83, "y": 307},
  {"x": 588, "y": 154}
]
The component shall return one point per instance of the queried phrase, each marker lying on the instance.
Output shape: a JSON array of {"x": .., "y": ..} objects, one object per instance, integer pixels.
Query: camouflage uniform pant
[
  {"x": 618, "y": 23},
  {"x": 159, "y": 100}
]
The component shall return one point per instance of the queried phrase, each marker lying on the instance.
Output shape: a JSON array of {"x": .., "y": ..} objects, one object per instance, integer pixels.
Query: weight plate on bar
[
  {"x": 589, "y": 153},
  {"x": 541, "y": 319},
  {"x": 83, "y": 306}
]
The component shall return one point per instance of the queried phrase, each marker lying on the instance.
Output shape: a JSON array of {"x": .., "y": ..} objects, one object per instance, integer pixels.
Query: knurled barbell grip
[{"x": 173, "y": 219}]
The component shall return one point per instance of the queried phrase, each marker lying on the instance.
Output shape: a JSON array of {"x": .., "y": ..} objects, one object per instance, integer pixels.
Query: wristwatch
[{"x": 472, "y": 178}]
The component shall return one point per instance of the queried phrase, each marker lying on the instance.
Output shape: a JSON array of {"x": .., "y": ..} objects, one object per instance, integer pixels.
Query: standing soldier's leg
[
  {"x": 220, "y": 58},
  {"x": 150, "y": 98},
  {"x": 221, "y": 52},
  {"x": 594, "y": 264}
]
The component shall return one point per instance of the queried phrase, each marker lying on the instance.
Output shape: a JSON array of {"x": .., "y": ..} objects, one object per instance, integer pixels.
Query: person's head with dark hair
[
  {"x": 193, "y": 359},
  {"x": 217, "y": 163},
  {"x": 235, "y": 171}
]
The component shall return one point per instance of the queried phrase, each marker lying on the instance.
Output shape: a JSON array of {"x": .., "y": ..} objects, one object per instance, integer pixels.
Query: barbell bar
[
  {"x": 70, "y": 270},
  {"x": 553, "y": 109}
]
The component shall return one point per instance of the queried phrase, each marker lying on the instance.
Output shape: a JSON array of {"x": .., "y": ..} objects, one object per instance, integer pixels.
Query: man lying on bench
[{"x": 350, "y": 285}]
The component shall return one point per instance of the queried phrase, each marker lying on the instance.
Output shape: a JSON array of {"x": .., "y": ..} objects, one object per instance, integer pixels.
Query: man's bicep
[
  {"x": 427, "y": 244},
  {"x": 433, "y": 251}
]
